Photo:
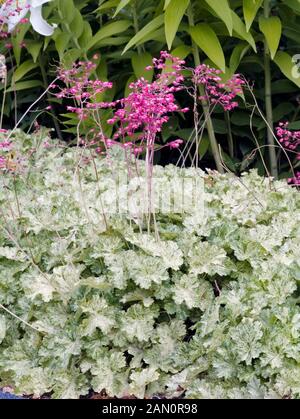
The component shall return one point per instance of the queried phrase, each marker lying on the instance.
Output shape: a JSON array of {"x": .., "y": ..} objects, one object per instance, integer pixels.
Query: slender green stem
[
  {"x": 209, "y": 124},
  {"x": 3, "y": 102},
  {"x": 268, "y": 101},
  {"x": 46, "y": 84},
  {"x": 229, "y": 135}
]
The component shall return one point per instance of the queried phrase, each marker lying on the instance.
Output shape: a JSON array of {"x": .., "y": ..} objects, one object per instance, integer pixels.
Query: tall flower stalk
[{"x": 208, "y": 121}]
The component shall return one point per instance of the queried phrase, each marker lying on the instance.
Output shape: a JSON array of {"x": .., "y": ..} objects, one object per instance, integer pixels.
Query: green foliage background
[{"x": 257, "y": 38}]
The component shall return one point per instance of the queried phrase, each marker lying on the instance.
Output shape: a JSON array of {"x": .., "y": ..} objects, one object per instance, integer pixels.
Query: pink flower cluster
[
  {"x": 138, "y": 117},
  {"x": 146, "y": 109},
  {"x": 81, "y": 88},
  {"x": 290, "y": 140},
  {"x": 5, "y": 146},
  {"x": 216, "y": 91}
]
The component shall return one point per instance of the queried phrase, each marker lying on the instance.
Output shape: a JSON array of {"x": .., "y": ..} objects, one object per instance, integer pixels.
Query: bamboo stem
[{"x": 268, "y": 101}]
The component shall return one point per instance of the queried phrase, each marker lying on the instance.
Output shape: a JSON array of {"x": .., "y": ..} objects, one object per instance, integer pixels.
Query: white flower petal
[
  {"x": 39, "y": 24},
  {"x": 12, "y": 21}
]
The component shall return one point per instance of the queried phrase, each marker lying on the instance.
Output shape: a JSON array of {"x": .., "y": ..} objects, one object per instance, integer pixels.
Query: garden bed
[{"x": 206, "y": 305}]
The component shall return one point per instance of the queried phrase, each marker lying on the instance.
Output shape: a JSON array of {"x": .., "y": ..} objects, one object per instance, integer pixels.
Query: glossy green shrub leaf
[
  {"x": 110, "y": 4},
  {"x": 23, "y": 69},
  {"x": 204, "y": 36},
  {"x": 139, "y": 64},
  {"x": 147, "y": 30},
  {"x": 222, "y": 9},
  {"x": 86, "y": 36},
  {"x": 203, "y": 146},
  {"x": 108, "y": 30},
  {"x": 23, "y": 85},
  {"x": 294, "y": 125},
  {"x": 182, "y": 51},
  {"x": 237, "y": 55},
  {"x": 271, "y": 27},
  {"x": 167, "y": 2},
  {"x": 173, "y": 16},
  {"x": 250, "y": 9},
  {"x": 240, "y": 30},
  {"x": 34, "y": 48},
  {"x": 76, "y": 25},
  {"x": 121, "y": 5},
  {"x": 67, "y": 10},
  {"x": 17, "y": 41},
  {"x": 158, "y": 36},
  {"x": 293, "y": 4},
  {"x": 61, "y": 43}
]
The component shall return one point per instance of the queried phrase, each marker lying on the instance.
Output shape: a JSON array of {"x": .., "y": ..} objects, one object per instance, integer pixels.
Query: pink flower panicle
[
  {"x": 81, "y": 88},
  {"x": 290, "y": 140},
  {"x": 216, "y": 91},
  {"x": 146, "y": 109},
  {"x": 5, "y": 147}
]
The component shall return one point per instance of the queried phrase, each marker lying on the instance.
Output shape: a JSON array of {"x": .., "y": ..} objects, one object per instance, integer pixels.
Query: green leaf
[
  {"x": 203, "y": 146},
  {"x": 17, "y": 41},
  {"x": 173, "y": 16},
  {"x": 207, "y": 40},
  {"x": 70, "y": 56},
  {"x": 86, "y": 35},
  {"x": 250, "y": 9},
  {"x": 294, "y": 125},
  {"x": 293, "y": 4},
  {"x": 237, "y": 55},
  {"x": 287, "y": 66},
  {"x": 23, "y": 69},
  {"x": 61, "y": 43},
  {"x": 34, "y": 48},
  {"x": 167, "y": 2},
  {"x": 139, "y": 63},
  {"x": 25, "y": 85},
  {"x": 282, "y": 110},
  {"x": 182, "y": 51},
  {"x": 223, "y": 11},
  {"x": 240, "y": 29},
  {"x": 148, "y": 29},
  {"x": 76, "y": 26},
  {"x": 121, "y": 5},
  {"x": 109, "y": 30},
  {"x": 110, "y": 4},
  {"x": 271, "y": 27},
  {"x": 158, "y": 35},
  {"x": 67, "y": 10}
]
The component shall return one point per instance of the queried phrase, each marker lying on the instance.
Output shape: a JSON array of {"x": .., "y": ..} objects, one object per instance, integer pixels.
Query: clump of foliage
[
  {"x": 256, "y": 38},
  {"x": 207, "y": 307}
]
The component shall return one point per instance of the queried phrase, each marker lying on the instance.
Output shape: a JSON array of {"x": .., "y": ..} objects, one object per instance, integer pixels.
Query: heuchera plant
[
  {"x": 138, "y": 118},
  {"x": 89, "y": 300},
  {"x": 216, "y": 91}
]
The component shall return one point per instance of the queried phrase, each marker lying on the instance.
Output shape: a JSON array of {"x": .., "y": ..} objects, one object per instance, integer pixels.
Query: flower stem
[
  {"x": 209, "y": 124},
  {"x": 229, "y": 135},
  {"x": 46, "y": 85}
]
